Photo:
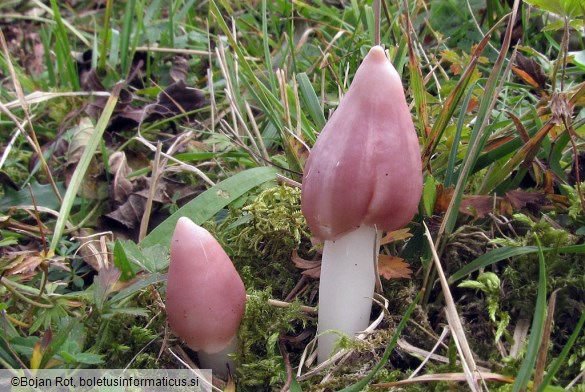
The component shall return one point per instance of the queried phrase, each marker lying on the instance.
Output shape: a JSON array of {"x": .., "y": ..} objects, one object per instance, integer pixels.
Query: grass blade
[
  {"x": 556, "y": 365},
  {"x": 361, "y": 384},
  {"x": 416, "y": 79},
  {"x": 453, "y": 99},
  {"x": 525, "y": 372},
  {"x": 449, "y": 173},
  {"x": 63, "y": 49},
  {"x": 267, "y": 55},
  {"x": 207, "y": 204},
  {"x": 479, "y": 136},
  {"x": 311, "y": 101},
  {"x": 500, "y": 254},
  {"x": 83, "y": 165},
  {"x": 125, "y": 36},
  {"x": 525, "y": 154}
]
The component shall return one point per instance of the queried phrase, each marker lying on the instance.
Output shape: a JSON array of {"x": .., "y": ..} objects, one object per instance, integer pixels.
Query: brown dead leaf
[
  {"x": 548, "y": 182},
  {"x": 520, "y": 199},
  {"x": 176, "y": 99},
  {"x": 130, "y": 213},
  {"x": 121, "y": 187},
  {"x": 91, "y": 187},
  {"x": 455, "y": 68},
  {"x": 160, "y": 193},
  {"x": 25, "y": 264},
  {"x": 28, "y": 262},
  {"x": 311, "y": 269},
  {"x": 392, "y": 267},
  {"x": 93, "y": 249},
  {"x": 479, "y": 205},
  {"x": 496, "y": 142},
  {"x": 396, "y": 235},
  {"x": 473, "y": 104},
  {"x": 444, "y": 196},
  {"x": 180, "y": 69},
  {"x": 530, "y": 72}
]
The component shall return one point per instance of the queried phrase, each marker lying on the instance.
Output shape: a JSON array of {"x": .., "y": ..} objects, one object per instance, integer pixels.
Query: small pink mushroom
[
  {"x": 205, "y": 295},
  {"x": 363, "y": 176}
]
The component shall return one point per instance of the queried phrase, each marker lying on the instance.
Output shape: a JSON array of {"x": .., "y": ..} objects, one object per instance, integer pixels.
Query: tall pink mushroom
[
  {"x": 205, "y": 295},
  {"x": 363, "y": 176}
]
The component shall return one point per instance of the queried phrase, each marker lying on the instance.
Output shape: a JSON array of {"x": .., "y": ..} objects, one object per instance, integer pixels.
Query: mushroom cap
[
  {"x": 365, "y": 168},
  {"x": 205, "y": 295}
]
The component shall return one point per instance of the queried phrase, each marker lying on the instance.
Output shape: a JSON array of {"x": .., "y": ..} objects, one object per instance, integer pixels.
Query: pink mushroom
[
  {"x": 363, "y": 176},
  {"x": 205, "y": 295}
]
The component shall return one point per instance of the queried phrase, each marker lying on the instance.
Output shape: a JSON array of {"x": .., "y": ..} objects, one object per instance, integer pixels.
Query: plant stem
[
  {"x": 219, "y": 361},
  {"x": 346, "y": 286},
  {"x": 105, "y": 37},
  {"x": 377, "y": 5}
]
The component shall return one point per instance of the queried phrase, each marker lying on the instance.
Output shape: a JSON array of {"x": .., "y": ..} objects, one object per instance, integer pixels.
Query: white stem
[
  {"x": 217, "y": 361},
  {"x": 346, "y": 286}
]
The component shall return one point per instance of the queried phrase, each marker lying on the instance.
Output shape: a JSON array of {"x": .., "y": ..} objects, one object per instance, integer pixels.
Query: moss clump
[
  {"x": 276, "y": 224},
  {"x": 260, "y": 360},
  {"x": 564, "y": 272},
  {"x": 261, "y": 236}
]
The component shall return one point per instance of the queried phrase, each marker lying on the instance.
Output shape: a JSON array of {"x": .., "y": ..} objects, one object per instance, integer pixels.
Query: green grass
[{"x": 498, "y": 141}]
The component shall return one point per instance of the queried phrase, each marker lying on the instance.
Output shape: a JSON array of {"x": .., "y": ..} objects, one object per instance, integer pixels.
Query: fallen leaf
[
  {"x": 180, "y": 69},
  {"x": 396, "y": 235},
  {"x": 25, "y": 264},
  {"x": 443, "y": 199},
  {"x": 130, "y": 213},
  {"x": 312, "y": 269},
  {"x": 121, "y": 187},
  {"x": 530, "y": 72},
  {"x": 178, "y": 98},
  {"x": 479, "y": 205},
  {"x": 520, "y": 199},
  {"x": 392, "y": 267}
]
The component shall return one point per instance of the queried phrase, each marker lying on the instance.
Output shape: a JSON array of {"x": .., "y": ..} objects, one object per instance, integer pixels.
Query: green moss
[
  {"x": 261, "y": 236},
  {"x": 259, "y": 357},
  {"x": 276, "y": 224}
]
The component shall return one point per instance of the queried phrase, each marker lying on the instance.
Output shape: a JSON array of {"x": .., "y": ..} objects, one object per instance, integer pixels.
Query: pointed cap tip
[{"x": 377, "y": 53}]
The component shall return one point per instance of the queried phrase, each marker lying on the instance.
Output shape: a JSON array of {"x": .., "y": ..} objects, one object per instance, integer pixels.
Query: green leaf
[
  {"x": 429, "y": 195},
  {"x": 568, "y": 8},
  {"x": 121, "y": 260},
  {"x": 152, "y": 259},
  {"x": 43, "y": 194},
  {"x": 554, "y": 26},
  {"x": 128, "y": 311},
  {"x": 537, "y": 329},
  {"x": 472, "y": 284},
  {"x": 310, "y": 100},
  {"x": 506, "y": 252},
  {"x": 210, "y": 202},
  {"x": 83, "y": 165},
  {"x": 8, "y": 241},
  {"x": 137, "y": 286},
  {"x": 61, "y": 338},
  {"x": 88, "y": 358}
]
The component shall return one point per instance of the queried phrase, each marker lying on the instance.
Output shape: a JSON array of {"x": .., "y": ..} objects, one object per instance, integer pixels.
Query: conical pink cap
[
  {"x": 205, "y": 295},
  {"x": 365, "y": 168}
]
